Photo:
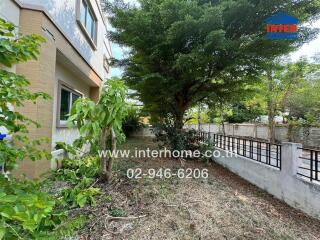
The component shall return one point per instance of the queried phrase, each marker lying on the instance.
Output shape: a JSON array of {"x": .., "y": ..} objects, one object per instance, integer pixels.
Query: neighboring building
[{"x": 72, "y": 63}]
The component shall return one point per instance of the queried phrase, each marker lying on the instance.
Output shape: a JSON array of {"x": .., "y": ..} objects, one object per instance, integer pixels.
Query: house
[{"x": 72, "y": 63}]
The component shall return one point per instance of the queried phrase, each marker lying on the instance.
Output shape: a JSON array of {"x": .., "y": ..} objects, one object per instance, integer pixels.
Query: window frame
[
  {"x": 92, "y": 41},
  {"x": 61, "y": 85},
  {"x": 106, "y": 63}
]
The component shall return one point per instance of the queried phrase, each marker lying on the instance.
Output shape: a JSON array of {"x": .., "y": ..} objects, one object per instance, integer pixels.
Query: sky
[{"x": 308, "y": 49}]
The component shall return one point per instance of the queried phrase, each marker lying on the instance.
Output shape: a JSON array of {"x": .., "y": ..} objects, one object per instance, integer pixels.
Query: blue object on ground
[{"x": 2, "y": 136}]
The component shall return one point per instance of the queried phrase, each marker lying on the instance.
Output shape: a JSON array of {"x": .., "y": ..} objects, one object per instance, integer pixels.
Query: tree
[
  {"x": 14, "y": 49},
  {"x": 278, "y": 83},
  {"x": 182, "y": 52},
  {"x": 100, "y": 125},
  {"x": 245, "y": 111},
  {"x": 302, "y": 105}
]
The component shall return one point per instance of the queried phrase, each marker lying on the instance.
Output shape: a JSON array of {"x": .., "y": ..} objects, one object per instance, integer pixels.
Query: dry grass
[{"x": 222, "y": 207}]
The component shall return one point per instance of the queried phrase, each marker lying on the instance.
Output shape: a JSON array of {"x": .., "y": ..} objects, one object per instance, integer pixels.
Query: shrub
[
  {"x": 88, "y": 166},
  {"x": 80, "y": 174},
  {"x": 176, "y": 139},
  {"x": 78, "y": 196},
  {"x": 28, "y": 213},
  {"x": 132, "y": 123}
]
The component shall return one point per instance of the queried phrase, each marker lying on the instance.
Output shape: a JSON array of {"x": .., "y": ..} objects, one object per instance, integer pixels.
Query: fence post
[{"x": 290, "y": 160}]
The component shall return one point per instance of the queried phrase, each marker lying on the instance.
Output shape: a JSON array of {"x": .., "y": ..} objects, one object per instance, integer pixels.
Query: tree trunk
[
  {"x": 107, "y": 160},
  {"x": 199, "y": 118},
  {"x": 104, "y": 157},
  {"x": 110, "y": 162},
  {"x": 222, "y": 119},
  {"x": 271, "y": 127},
  {"x": 180, "y": 111},
  {"x": 223, "y": 128},
  {"x": 181, "y": 106},
  {"x": 290, "y": 134},
  {"x": 271, "y": 109}
]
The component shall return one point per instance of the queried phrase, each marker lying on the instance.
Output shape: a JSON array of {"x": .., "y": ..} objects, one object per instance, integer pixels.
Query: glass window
[
  {"x": 83, "y": 12},
  {"x": 66, "y": 100},
  {"x": 65, "y": 104},
  {"x": 87, "y": 19},
  {"x": 89, "y": 25},
  {"x": 75, "y": 97}
]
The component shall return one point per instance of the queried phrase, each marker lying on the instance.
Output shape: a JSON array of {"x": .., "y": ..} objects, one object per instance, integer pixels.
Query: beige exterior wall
[{"x": 41, "y": 75}]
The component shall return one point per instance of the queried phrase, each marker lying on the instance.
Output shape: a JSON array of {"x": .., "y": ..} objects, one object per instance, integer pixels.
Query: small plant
[
  {"x": 75, "y": 169},
  {"x": 100, "y": 124},
  {"x": 26, "y": 211},
  {"x": 117, "y": 212},
  {"x": 79, "y": 197},
  {"x": 108, "y": 199}
]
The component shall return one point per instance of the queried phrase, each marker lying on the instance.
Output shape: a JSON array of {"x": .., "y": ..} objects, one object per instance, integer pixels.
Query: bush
[
  {"x": 28, "y": 213},
  {"x": 88, "y": 166},
  {"x": 80, "y": 195},
  {"x": 176, "y": 139},
  {"x": 80, "y": 173},
  {"x": 132, "y": 123}
]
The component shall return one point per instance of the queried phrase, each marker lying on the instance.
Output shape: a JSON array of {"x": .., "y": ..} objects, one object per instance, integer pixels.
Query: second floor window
[{"x": 87, "y": 19}]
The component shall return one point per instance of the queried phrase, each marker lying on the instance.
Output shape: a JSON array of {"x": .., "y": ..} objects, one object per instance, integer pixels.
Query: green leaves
[
  {"x": 79, "y": 197},
  {"x": 23, "y": 208},
  {"x": 2, "y": 229},
  {"x": 108, "y": 113},
  {"x": 28, "y": 213},
  {"x": 15, "y": 49}
]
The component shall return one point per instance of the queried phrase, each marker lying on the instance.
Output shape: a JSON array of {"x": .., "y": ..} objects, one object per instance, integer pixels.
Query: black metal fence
[
  {"x": 310, "y": 164},
  {"x": 262, "y": 152}
]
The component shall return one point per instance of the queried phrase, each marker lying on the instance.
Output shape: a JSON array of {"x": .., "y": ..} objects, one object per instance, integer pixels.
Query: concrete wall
[
  {"x": 63, "y": 14},
  {"x": 284, "y": 184},
  {"x": 308, "y": 137}
]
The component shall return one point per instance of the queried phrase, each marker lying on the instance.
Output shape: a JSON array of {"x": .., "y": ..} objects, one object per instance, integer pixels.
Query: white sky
[{"x": 308, "y": 49}]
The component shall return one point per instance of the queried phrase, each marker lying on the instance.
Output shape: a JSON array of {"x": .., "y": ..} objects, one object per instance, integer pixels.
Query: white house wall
[
  {"x": 9, "y": 11},
  {"x": 63, "y": 14},
  {"x": 67, "y": 135}
]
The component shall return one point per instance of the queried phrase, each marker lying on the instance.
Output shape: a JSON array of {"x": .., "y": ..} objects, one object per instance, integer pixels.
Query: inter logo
[{"x": 282, "y": 26}]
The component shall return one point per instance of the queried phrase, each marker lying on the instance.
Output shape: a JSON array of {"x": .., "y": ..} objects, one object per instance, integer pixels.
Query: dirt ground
[{"x": 224, "y": 206}]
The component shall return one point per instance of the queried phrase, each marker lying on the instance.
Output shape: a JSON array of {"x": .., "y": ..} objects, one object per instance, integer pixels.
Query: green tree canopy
[{"x": 182, "y": 52}]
